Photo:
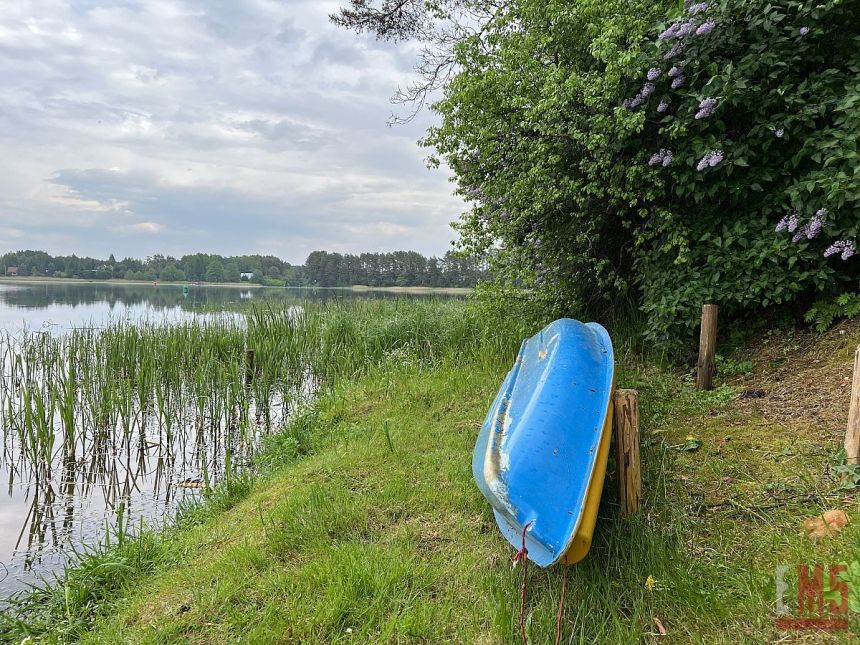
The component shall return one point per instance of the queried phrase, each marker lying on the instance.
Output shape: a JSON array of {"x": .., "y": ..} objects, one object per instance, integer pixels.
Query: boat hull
[{"x": 540, "y": 459}]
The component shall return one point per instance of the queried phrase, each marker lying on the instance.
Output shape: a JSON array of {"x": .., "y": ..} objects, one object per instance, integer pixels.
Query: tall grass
[{"x": 142, "y": 402}]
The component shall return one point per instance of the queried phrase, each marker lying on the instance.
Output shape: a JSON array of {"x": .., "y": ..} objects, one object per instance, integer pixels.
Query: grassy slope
[{"x": 362, "y": 543}]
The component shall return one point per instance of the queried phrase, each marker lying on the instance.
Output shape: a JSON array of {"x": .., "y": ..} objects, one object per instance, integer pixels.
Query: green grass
[{"x": 375, "y": 532}]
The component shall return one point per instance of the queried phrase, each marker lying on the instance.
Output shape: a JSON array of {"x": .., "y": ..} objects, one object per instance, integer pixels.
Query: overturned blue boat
[{"x": 540, "y": 459}]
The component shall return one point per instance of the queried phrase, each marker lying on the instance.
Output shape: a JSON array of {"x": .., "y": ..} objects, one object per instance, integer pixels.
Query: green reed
[{"x": 188, "y": 389}]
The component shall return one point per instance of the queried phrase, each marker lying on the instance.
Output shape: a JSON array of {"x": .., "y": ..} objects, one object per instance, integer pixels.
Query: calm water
[
  {"x": 47, "y": 511},
  {"x": 59, "y": 307}
]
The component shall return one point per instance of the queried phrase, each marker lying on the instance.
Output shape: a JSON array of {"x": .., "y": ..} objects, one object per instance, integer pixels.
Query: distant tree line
[
  {"x": 397, "y": 269},
  {"x": 401, "y": 268}
]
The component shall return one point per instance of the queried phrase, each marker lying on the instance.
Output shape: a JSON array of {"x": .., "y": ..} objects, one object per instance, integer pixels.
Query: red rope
[
  {"x": 561, "y": 606},
  {"x": 523, "y": 556}
]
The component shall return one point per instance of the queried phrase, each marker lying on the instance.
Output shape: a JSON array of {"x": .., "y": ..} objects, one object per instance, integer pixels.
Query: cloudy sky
[{"x": 228, "y": 126}]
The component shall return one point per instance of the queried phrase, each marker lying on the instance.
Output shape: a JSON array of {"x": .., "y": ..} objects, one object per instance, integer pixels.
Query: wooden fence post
[
  {"x": 707, "y": 348},
  {"x": 627, "y": 450},
  {"x": 852, "y": 434}
]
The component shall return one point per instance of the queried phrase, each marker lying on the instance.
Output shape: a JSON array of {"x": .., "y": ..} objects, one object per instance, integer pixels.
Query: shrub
[
  {"x": 597, "y": 173},
  {"x": 530, "y": 126},
  {"x": 763, "y": 134}
]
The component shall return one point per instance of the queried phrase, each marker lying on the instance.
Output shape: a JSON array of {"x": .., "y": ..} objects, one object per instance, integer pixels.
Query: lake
[{"x": 99, "y": 434}]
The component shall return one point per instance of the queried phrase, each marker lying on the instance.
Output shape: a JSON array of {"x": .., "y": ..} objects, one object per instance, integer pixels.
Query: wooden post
[
  {"x": 249, "y": 365},
  {"x": 852, "y": 434},
  {"x": 627, "y": 450},
  {"x": 707, "y": 348}
]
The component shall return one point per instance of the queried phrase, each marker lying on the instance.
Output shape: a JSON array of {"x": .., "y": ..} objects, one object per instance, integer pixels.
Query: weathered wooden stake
[
  {"x": 852, "y": 434},
  {"x": 627, "y": 450},
  {"x": 249, "y": 365},
  {"x": 707, "y": 348}
]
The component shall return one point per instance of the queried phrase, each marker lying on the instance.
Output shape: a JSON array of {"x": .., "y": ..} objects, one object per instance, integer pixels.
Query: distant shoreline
[
  {"x": 359, "y": 288},
  {"x": 123, "y": 282},
  {"x": 29, "y": 280}
]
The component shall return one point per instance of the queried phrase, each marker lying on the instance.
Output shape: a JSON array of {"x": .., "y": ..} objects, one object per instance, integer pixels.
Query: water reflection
[{"x": 131, "y": 452}]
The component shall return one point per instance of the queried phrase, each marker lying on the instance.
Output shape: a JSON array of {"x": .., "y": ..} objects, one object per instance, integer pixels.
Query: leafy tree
[
  {"x": 531, "y": 126},
  {"x": 214, "y": 271},
  {"x": 231, "y": 272},
  {"x": 646, "y": 151},
  {"x": 171, "y": 273}
]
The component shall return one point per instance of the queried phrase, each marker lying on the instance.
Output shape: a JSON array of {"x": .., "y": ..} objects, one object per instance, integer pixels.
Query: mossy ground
[{"x": 380, "y": 535}]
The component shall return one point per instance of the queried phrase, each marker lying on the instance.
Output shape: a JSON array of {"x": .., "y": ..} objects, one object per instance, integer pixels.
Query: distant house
[
  {"x": 246, "y": 276},
  {"x": 12, "y": 272}
]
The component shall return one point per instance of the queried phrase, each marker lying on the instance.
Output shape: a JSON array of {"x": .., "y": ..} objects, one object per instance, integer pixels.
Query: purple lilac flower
[
  {"x": 664, "y": 104},
  {"x": 627, "y": 103},
  {"x": 653, "y": 74},
  {"x": 801, "y": 233},
  {"x": 675, "y": 71},
  {"x": 677, "y": 50},
  {"x": 678, "y": 82},
  {"x": 669, "y": 32},
  {"x": 706, "y": 27},
  {"x": 814, "y": 226},
  {"x": 636, "y": 101},
  {"x": 845, "y": 248},
  {"x": 699, "y": 7},
  {"x": 779, "y": 133},
  {"x": 685, "y": 28},
  {"x": 647, "y": 90},
  {"x": 804, "y": 31},
  {"x": 783, "y": 224},
  {"x": 711, "y": 159},
  {"x": 706, "y": 108},
  {"x": 822, "y": 213},
  {"x": 793, "y": 221},
  {"x": 664, "y": 158}
]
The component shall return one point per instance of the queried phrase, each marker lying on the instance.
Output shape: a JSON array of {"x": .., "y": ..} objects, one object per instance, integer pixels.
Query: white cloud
[
  {"x": 150, "y": 228},
  {"x": 242, "y": 126}
]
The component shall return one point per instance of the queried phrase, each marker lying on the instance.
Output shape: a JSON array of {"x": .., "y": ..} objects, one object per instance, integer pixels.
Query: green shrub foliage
[
  {"x": 761, "y": 200},
  {"x": 596, "y": 171}
]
